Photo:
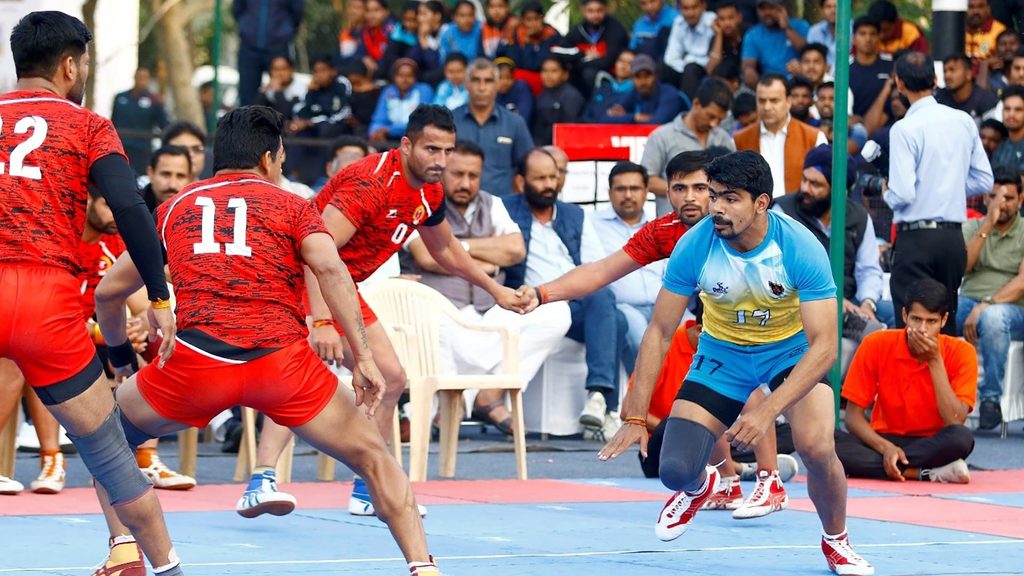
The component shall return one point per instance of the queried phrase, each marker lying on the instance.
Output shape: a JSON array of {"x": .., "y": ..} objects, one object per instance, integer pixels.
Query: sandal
[{"x": 483, "y": 413}]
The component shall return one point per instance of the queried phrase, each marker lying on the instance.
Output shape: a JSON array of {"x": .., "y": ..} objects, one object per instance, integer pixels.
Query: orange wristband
[
  {"x": 159, "y": 304},
  {"x": 636, "y": 420},
  {"x": 321, "y": 323}
]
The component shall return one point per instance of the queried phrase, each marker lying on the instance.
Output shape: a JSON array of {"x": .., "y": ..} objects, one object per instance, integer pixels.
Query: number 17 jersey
[
  {"x": 48, "y": 144},
  {"x": 751, "y": 298}
]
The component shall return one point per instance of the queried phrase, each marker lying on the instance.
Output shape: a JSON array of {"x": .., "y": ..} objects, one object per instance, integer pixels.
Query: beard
[
  {"x": 540, "y": 199},
  {"x": 77, "y": 92},
  {"x": 814, "y": 206}
]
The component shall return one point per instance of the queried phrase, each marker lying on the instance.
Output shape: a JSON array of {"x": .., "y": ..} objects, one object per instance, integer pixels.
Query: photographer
[{"x": 936, "y": 160}]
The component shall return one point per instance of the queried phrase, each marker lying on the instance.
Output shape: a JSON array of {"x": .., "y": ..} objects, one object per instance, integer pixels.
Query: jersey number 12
[{"x": 207, "y": 245}]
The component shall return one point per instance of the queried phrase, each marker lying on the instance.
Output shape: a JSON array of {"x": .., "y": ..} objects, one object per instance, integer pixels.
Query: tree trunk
[
  {"x": 89, "y": 18},
  {"x": 176, "y": 52}
]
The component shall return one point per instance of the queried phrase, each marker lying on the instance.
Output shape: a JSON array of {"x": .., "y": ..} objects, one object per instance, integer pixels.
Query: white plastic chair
[
  {"x": 1012, "y": 401},
  {"x": 420, "y": 309}
]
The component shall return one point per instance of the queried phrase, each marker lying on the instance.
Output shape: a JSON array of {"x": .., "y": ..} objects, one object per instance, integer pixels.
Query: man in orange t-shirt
[{"x": 920, "y": 385}]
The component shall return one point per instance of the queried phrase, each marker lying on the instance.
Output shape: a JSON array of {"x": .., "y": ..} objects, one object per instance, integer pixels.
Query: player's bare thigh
[
  {"x": 141, "y": 414},
  {"x": 84, "y": 413},
  {"x": 813, "y": 421},
  {"x": 359, "y": 440}
]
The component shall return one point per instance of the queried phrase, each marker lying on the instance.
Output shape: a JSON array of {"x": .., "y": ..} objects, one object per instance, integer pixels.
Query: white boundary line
[{"x": 548, "y": 555}]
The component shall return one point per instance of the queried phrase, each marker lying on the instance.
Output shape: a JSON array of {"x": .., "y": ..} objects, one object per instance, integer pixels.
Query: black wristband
[{"x": 123, "y": 355}]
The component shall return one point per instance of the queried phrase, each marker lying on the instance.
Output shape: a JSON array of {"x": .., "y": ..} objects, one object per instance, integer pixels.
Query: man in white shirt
[
  {"x": 615, "y": 225},
  {"x": 689, "y": 44},
  {"x": 480, "y": 220}
]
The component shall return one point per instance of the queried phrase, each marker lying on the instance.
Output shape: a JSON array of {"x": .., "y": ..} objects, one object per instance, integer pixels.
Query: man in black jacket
[
  {"x": 596, "y": 43},
  {"x": 267, "y": 28}
]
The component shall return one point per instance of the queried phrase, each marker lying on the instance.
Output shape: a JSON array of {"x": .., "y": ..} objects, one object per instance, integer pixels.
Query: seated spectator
[
  {"x": 649, "y": 102},
  {"x": 531, "y": 44},
  {"x": 192, "y": 138},
  {"x": 961, "y": 92},
  {"x": 919, "y": 386},
  {"x": 993, "y": 133},
  {"x": 488, "y": 233},
  {"x": 801, "y": 99},
  {"x": 503, "y": 135},
  {"x": 689, "y": 45},
  {"x": 781, "y": 140},
  {"x": 825, "y": 100},
  {"x": 559, "y": 102},
  {"x": 742, "y": 114},
  {"x": 462, "y": 34},
  {"x": 425, "y": 53},
  {"x": 615, "y": 225},
  {"x": 812, "y": 207},
  {"x": 773, "y": 43},
  {"x": 729, "y": 73},
  {"x": 344, "y": 150},
  {"x": 993, "y": 71},
  {"x": 348, "y": 36},
  {"x": 727, "y": 44},
  {"x": 1011, "y": 151},
  {"x": 282, "y": 92},
  {"x": 373, "y": 38},
  {"x": 991, "y": 308},
  {"x": 513, "y": 95},
  {"x": 824, "y": 33},
  {"x": 982, "y": 33},
  {"x": 498, "y": 29},
  {"x": 324, "y": 114},
  {"x": 610, "y": 88},
  {"x": 896, "y": 33},
  {"x": 657, "y": 16},
  {"x": 170, "y": 169},
  {"x": 364, "y": 96},
  {"x": 451, "y": 93},
  {"x": 397, "y": 101},
  {"x": 404, "y": 36},
  {"x": 560, "y": 236},
  {"x": 594, "y": 44},
  {"x": 812, "y": 64},
  {"x": 870, "y": 69}
]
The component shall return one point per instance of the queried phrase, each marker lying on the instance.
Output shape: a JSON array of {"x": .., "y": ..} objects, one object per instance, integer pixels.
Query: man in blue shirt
[
  {"x": 773, "y": 43},
  {"x": 936, "y": 160},
  {"x": 649, "y": 102},
  {"x": 503, "y": 135},
  {"x": 769, "y": 320},
  {"x": 824, "y": 32},
  {"x": 657, "y": 16}
]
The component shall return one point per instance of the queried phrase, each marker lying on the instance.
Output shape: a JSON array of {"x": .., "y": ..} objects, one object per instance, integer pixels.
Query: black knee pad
[
  {"x": 684, "y": 454},
  {"x": 111, "y": 461}
]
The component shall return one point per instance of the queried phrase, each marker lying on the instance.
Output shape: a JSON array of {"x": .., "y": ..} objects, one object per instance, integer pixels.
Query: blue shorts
[{"x": 735, "y": 371}]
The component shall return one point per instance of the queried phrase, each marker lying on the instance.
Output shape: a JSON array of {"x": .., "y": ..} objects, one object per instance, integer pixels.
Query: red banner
[{"x": 602, "y": 141}]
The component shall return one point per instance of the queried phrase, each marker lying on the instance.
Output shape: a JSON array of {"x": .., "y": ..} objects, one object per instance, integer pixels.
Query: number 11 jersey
[{"x": 48, "y": 144}]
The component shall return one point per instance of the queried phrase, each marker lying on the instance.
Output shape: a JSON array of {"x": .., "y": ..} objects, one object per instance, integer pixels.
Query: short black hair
[
  {"x": 244, "y": 135},
  {"x": 175, "y": 129},
  {"x": 469, "y": 148},
  {"x": 767, "y": 80},
  {"x": 745, "y": 104},
  {"x": 916, "y": 70},
  {"x": 728, "y": 4},
  {"x": 410, "y": 6},
  {"x": 995, "y": 125},
  {"x": 284, "y": 57},
  {"x": 322, "y": 59},
  {"x": 883, "y": 11},
  {"x": 41, "y": 40},
  {"x": 958, "y": 56},
  {"x": 865, "y": 20},
  {"x": 1011, "y": 91},
  {"x": 687, "y": 163},
  {"x": 354, "y": 67},
  {"x": 462, "y": 3},
  {"x": 170, "y": 150},
  {"x": 798, "y": 81},
  {"x": 562, "y": 62},
  {"x": 727, "y": 70},
  {"x": 930, "y": 294},
  {"x": 1005, "y": 174},
  {"x": 348, "y": 140},
  {"x": 627, "y": 167},
  {"x": 1019, "y": 53},
  {"x": 714, "y": 91},
  {"x": 429, "y": 115},
  {"x": 435, "y": 6},
  {"x": 456, "y": 57},
  {"x": 532, "y": 6},
  {"x": 830, "y": 85},
  {"x": 1007, "y": 32},
  {"x": 815, "y": 47},
  {"x": 746, "y": 170}
]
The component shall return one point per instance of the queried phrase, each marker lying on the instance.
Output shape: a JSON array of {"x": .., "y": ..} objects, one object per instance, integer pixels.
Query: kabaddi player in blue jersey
[{"x": 770, "y": 322}]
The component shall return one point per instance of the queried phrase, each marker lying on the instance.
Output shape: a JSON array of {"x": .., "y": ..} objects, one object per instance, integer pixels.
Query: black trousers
[
  {"x": 861, "y": 461},
  {"x": 939, "y": 254}
]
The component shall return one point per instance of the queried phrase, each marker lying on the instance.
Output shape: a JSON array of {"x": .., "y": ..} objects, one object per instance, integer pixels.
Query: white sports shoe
[
  {"x": 359, "y": 504},
  {"x": 594, "y": 411},
  {"x": 680, "y": 509},
  {"x": 842, "y": 559},
  {"x": 768, "y": 496},
  {"x": 955, "y": 472},
  {"x": 9, "y": 487},
  {"x": 788, "y": 468},
  {"x": 262, "y": 497},
  {"x": 51, "y": 474}
]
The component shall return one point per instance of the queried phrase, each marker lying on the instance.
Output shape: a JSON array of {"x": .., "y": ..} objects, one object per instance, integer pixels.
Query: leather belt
[{"x": 927, "y": 225}]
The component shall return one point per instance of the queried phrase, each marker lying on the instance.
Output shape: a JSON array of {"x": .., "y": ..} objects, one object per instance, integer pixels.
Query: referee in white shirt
[{"x": 936, "y": 161}]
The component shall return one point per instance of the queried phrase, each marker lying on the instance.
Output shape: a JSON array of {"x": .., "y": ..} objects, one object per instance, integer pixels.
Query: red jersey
[
  {"x": 94, "y": 259},
  {"x": 656, "y": 240},
  {"x": 47, "y": 146},
  {"x": 234, "y": 249},
  {"x": 376, "y": 197}
]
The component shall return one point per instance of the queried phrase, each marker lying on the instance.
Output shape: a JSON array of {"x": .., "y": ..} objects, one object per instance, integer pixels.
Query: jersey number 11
[{"x": 207, "y": 245}]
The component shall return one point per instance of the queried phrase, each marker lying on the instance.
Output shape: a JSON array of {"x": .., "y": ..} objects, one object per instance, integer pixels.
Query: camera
[{"x": 869, "y": 181}]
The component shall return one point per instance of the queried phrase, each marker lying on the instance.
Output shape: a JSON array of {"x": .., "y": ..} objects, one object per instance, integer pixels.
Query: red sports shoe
[
  {"x": 842, "y": 559},
  {"x": 125, "y": 559},
  {"x": 682, "y": 507},
  {"x": 769, "y": 496},
  {"x": 728, "y": 496}
]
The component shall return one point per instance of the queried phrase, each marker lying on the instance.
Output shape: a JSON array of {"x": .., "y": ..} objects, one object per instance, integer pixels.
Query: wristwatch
[
  {"x": 988, "y": 300},
  {"x": 870, "y": 303},
  {"x": 465, "y": 246}
]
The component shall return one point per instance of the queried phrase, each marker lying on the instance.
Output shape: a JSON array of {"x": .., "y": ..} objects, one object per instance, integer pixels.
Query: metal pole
[
  {"x": 218, "y": 26},
  {"x": 840, "y": 130},
  {"x": 949, "y": 19}
]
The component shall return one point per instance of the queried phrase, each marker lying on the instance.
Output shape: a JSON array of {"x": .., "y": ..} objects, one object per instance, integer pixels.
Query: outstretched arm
[{"x": 581, "y": 280}]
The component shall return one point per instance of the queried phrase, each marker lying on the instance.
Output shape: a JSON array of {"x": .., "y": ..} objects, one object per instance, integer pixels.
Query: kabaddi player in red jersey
[
  {"x": 688, "y": 194},
  {"x": 236, "y": 245},
  {"x": 51, "y": 147},
  {"x": 370, "y": 208}
]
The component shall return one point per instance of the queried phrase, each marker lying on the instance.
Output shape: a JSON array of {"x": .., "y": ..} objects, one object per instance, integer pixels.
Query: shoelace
[
  {"x": 843, "y": 547},
  {"x": 759, "y": 490},
  {"x": 49, "y": 467}
]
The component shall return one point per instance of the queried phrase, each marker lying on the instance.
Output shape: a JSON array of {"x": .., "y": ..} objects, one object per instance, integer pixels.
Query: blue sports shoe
[
  {"x": 361, "y": 505},
  {"x": 262, "y": 497}
]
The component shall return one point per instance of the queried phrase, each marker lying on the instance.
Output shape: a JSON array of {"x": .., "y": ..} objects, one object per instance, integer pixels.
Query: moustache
[{"x": 721, "y": 221}]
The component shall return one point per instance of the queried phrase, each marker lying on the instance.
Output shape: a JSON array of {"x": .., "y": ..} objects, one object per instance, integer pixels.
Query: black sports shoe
[{"x": 990, "y": 415}]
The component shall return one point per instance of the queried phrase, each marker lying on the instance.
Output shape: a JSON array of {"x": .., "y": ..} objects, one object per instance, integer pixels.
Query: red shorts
[
  {"x": 42, "y": 331},
  {"x": 291, "y": 385}
]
